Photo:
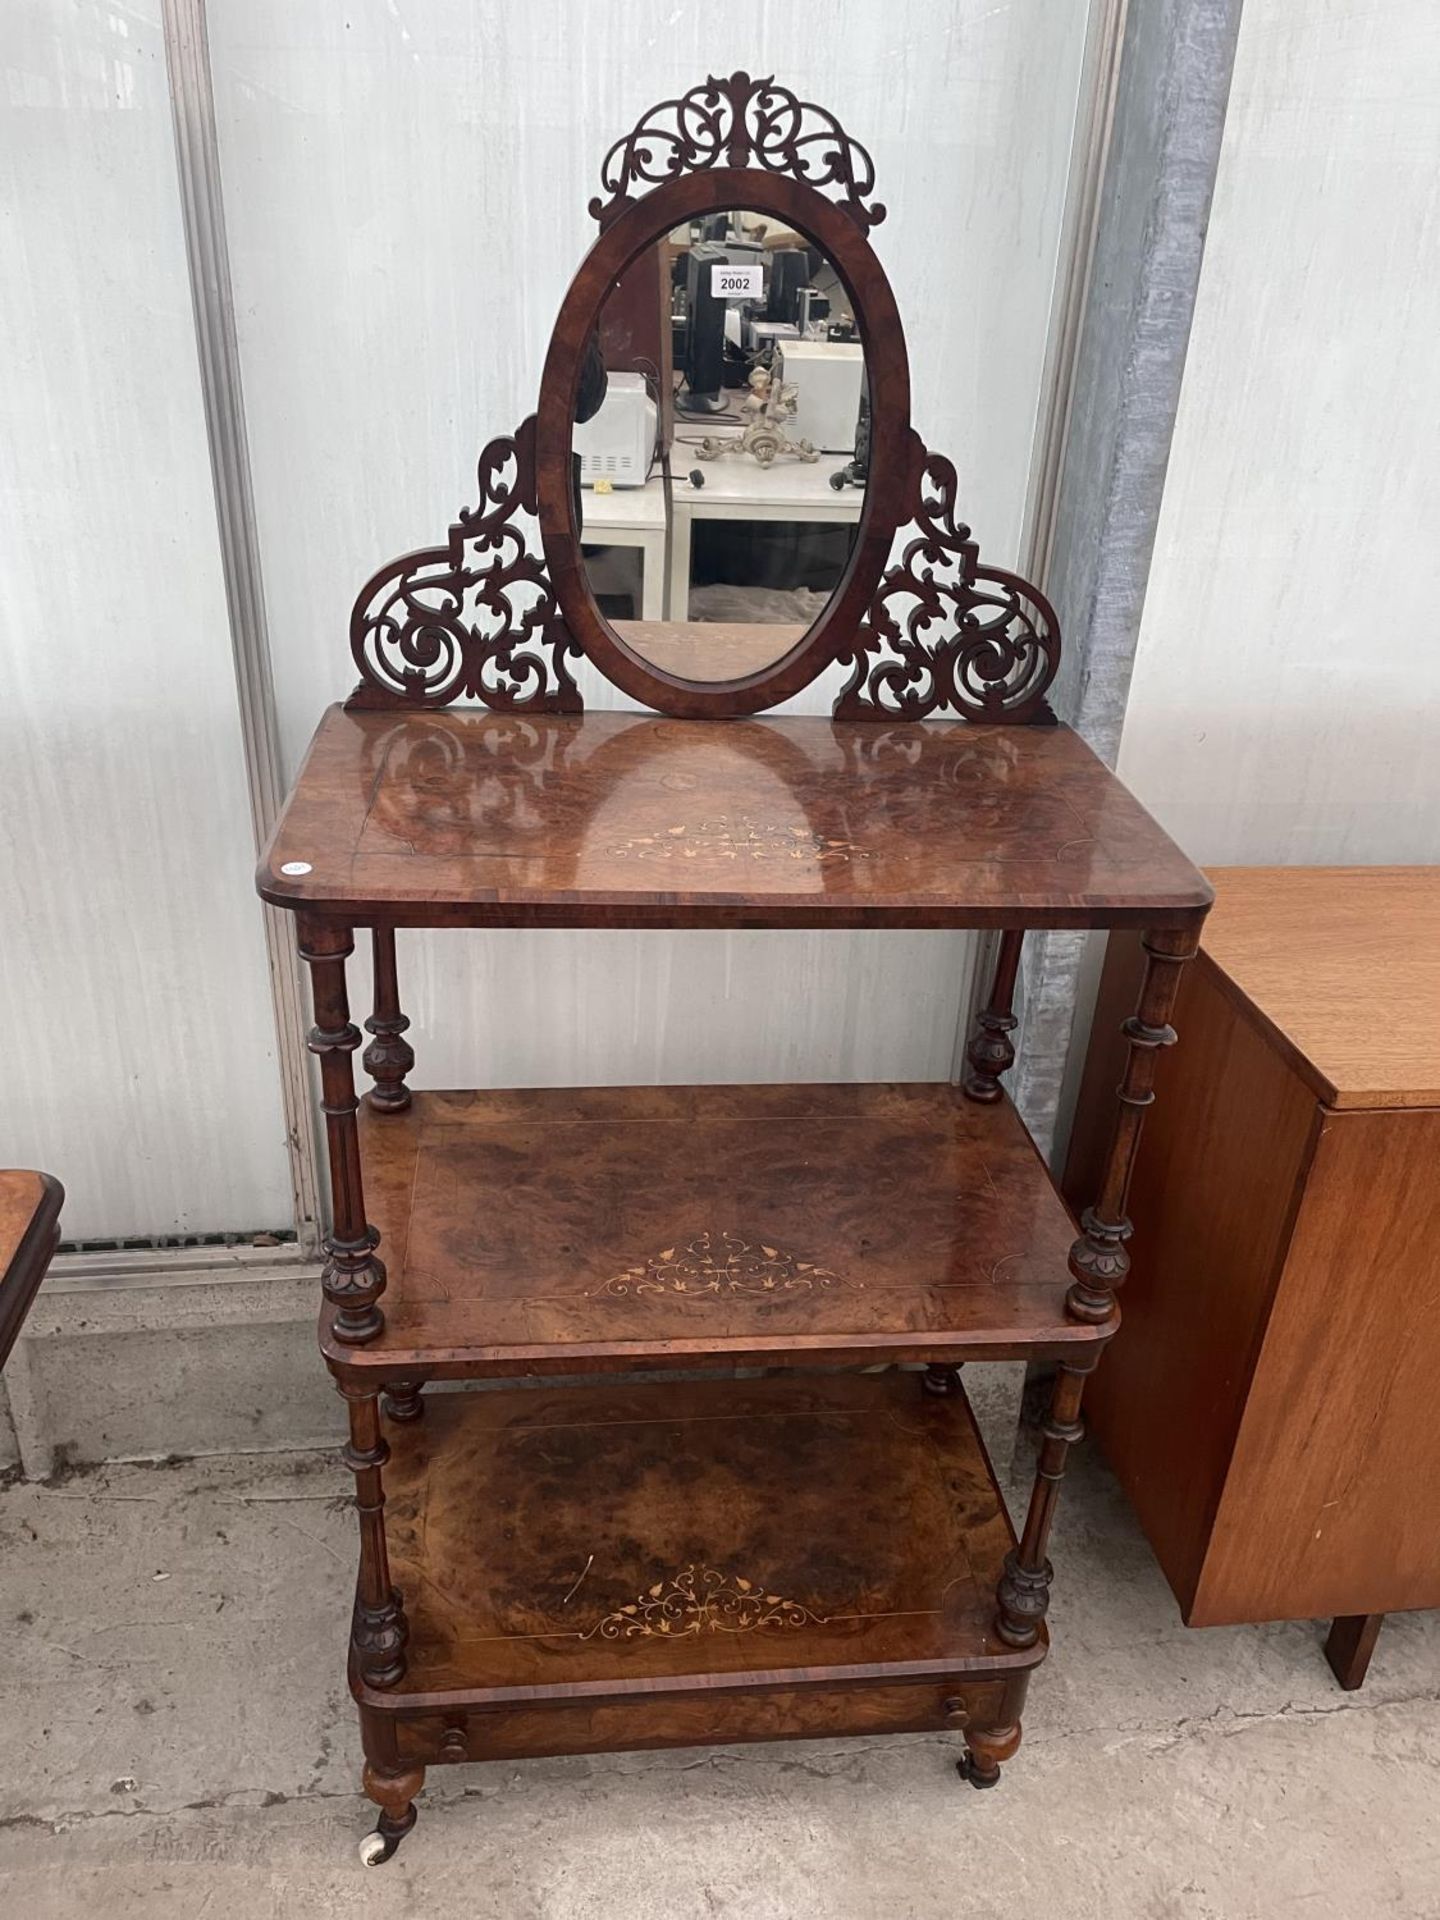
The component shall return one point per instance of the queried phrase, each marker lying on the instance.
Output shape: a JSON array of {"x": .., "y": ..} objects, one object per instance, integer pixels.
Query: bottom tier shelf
[{"x": 594, "y": 1568}]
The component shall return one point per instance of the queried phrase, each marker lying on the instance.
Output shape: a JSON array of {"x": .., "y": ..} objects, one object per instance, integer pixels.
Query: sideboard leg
[
  {"x": 379, "y": 1632},
  {"x": 389, "y": 1056},
  {"x": 990, "y": 1052},
  {"x": 1023, "y": 1595},
  {"x": 985, "y": 1752},
  {"x": 1350, "y": 1645},
  {"x": 353, "y": 1277},
  {"x": 1098, "y": 1260}
]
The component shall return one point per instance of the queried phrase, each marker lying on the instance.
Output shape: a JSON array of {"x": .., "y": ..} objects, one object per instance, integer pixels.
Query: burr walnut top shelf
[
  {"x": 462, "y": 817},
  {"x": 551, "y": 1230},
  {"x": 581, "y": 1541},
  {"x": 1342, "y": 965}
]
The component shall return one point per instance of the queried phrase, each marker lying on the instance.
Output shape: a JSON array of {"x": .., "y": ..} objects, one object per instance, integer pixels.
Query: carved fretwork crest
[
  {"x": 480, "y": 618},
  {"x": 943, "y": 631},
  {"x": 739, "y": 122},
  {"x": 475, "y": 619}
]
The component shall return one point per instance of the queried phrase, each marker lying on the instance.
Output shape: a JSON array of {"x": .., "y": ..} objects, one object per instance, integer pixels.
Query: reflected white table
[
  {"x": 633, "y": 517},
  {"x": 737, "y": 489},
  {"x": 734, "y": 489}
]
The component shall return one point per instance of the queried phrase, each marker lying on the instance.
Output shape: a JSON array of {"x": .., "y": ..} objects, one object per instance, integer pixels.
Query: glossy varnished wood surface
[
  {"x": 29, "y": 1231},
  {"x": 553, "y": 1229},
  {"x": 671, "y": 1537},
  {"x": 470, "y": 818},
  {"x": 1303, "y": 945}
]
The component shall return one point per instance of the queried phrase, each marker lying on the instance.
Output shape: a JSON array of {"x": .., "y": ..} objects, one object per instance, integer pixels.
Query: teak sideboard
[
  {"x": 1270, "y": 1411},
  {"x": 567, "y": 1565}
]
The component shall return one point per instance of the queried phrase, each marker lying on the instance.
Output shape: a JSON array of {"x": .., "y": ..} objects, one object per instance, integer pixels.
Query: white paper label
[{"x": 736, "y": 283}]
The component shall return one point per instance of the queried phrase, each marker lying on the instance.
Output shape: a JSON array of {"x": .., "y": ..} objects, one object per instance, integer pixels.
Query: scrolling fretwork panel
[
  {"x": 475, "y": 619},
  {"x": 739, "y": 122},
  {"x": 944, "y": 631}
]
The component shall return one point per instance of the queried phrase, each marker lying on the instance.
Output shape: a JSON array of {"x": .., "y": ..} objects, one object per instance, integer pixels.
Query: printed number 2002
[{"x": 737, "y": 283}]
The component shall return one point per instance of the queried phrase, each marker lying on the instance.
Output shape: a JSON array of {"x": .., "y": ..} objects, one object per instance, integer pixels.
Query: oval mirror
[
  {"x": 719, "y": 436},
  {"x": 723, "y": 449}
]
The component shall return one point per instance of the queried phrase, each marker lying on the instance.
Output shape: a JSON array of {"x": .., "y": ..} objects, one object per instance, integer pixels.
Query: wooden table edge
[{"x": 30, "y": 1261}]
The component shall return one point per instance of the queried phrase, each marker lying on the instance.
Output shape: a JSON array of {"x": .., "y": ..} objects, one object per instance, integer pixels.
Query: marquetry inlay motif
[
  {"x": 724, "y": 838},
  {"x": 720, "y": 1263},
  {"x": 703, "y": 1600}
]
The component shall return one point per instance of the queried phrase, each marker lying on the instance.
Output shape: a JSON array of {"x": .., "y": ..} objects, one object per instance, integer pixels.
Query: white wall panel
[
  {"x": 139, "y": 1043},
  {"x": 406, "y": 192},
  {"x": 1287, "y": 685}
]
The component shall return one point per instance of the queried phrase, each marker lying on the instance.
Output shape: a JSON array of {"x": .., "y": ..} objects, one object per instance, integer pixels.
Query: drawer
[{"x": 712, "y": 1718}]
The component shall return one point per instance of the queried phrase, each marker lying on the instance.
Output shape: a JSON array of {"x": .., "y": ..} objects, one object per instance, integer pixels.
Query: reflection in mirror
[{"x": 722, "y": 459}]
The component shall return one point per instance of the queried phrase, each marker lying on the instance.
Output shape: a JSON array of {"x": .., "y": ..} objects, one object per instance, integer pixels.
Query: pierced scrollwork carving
[
  {"x": 944, "y": 631},
  {"x": 476, "y": 619},
  {"x": 739, "y": 122}
]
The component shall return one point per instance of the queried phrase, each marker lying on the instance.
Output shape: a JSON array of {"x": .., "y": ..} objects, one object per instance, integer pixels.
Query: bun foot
[
  {"x": 985, "y": 1748},
  {"x": 394, "y": 1793}
]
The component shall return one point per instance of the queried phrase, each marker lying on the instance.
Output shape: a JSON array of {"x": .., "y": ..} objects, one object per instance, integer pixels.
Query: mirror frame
[
  {"x": 487, "y": 617},
  {"x": 896, "y": 453}
]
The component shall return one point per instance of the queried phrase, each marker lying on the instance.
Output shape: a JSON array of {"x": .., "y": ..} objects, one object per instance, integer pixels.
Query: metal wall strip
[
  {"x": 197, "y": 154},
  {"x": 1171, "y": 86},
  {"x": 1089, "y": 156}
]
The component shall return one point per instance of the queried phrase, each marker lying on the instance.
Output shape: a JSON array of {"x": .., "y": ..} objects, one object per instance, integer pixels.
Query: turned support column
[
  {"x": 990, "y": 1052},
  {"x": 379, "y": 1632},
  {"x": 389, "y": 1057},
  {"x": 1023, "y": 1596},
  {"x": 353, "y": 1277},
  {"x": 1098, "y": 1260},
  {"x": 402, "y": 1401},
  {"x": 1098, "y": 1265}
]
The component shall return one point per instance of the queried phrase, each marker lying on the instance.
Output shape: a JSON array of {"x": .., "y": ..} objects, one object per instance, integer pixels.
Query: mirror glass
[{"x": 720, "y": 444}]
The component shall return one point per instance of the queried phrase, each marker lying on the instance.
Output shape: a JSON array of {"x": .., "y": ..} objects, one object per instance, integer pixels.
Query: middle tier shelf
[{"x": 553, "y": 1230}]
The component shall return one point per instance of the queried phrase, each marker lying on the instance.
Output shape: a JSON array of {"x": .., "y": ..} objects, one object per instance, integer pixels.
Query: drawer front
[{"x": 649, "y": 1720}]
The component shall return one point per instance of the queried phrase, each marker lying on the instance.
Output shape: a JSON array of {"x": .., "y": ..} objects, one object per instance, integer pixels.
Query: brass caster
[{"x": 375, "y": 1849}]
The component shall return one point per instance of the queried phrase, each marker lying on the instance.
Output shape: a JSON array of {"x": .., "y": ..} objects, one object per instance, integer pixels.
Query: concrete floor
[{"x": 177, "y": 1740}]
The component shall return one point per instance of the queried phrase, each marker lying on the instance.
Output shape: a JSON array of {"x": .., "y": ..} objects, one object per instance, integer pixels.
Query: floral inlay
[
  {"x": 702, "y": 1600},
  {"x": 720, "y": 1263}
]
